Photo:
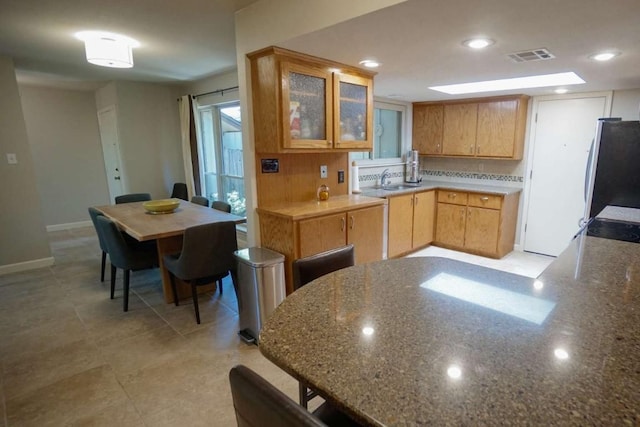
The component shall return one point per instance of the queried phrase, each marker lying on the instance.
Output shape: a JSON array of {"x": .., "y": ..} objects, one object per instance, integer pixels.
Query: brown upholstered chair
[
  {"x": 128, "y": 257},
  {"x": 207, "y": 256},
  {"x": 221, "y": 206},
  {"x": 200, "y": 200},
  {"x": 133, "y": 197},
  {"x": 179, "y": 191},
  {"x": 94, "y": 214},
  {"x": 310, "y": 268},
  {"x": 258, "y": 403}
]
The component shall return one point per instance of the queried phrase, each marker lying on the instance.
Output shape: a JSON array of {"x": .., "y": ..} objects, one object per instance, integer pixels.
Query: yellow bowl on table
[{"x": 162, "y": 206}]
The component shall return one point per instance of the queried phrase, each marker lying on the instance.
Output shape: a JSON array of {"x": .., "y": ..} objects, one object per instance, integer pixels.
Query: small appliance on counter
[{"x": 412, "y": 173}]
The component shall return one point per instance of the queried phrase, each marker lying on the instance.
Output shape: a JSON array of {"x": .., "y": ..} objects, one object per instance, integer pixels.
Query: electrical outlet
[
  {"x": 12, "y": 159},
  {"x": 480, "y": 167},
  {"x": 340, "y": 177},
  {"x": 323, "y": 171}
]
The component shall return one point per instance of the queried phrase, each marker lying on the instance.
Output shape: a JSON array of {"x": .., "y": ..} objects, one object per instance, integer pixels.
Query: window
[
  {"x": 222, "y": 166},
  {"x": 388, "y": 132}
]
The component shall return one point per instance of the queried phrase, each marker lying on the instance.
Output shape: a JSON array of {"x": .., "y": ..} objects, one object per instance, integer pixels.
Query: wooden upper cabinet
[
  {"x": 480, "y": 127},
  {"x": 428, "y": 120},
  {"x": 459, "y": 132},
  {"x": 353, "y": 111},
  {"x": 501, "y": 129},
  {"x": 302, "y": 104},
  {"x": 306, "y": 97}
]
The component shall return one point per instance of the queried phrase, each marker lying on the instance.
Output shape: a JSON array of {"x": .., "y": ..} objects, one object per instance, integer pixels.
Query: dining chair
[
  {"x": 221, "y": 206},
  {"x": 125, "y": 256},
  {"x": 310, "y": 268},
  {"x": 258, "y": 403},
  {"x": 200, "y": 200},
  {"x": 94, "y": 214},
  {"x": 133, "y": 197},
  {"x": 179, "y": 191},
  {"x": 206, "y": 257}
]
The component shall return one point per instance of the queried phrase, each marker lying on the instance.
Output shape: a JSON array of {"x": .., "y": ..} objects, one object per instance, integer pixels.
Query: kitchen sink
[{"x": 396, "y": 187}]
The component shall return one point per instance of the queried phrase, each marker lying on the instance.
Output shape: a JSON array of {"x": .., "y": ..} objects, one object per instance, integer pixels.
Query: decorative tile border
[
  {"x": 473, "y": 175},
  {"x": 376, "y": 176},
  {"x": 449, "y": 174}
]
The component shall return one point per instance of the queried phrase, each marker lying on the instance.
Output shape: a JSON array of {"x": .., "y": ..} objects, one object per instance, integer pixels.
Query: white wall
[
  {"x": 23, "y": 239},
  {"x": 62, "y": 127},
  {"x": 149, "y": 132},
  {"x": 626, "y": 104}
]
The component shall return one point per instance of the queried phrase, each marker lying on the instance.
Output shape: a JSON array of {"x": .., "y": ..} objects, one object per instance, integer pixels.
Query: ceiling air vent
[{"x": 531, "y": 55}]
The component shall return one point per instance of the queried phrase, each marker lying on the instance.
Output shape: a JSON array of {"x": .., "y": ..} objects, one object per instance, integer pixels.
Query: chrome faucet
[{"x": 384, "y": 178}]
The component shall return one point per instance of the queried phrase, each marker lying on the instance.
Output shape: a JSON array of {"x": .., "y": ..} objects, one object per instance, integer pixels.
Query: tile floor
[{"x": 70, "y": 356}]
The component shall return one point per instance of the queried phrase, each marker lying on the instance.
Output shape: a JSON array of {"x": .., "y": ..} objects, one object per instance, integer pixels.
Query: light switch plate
[
  {"x": 12, "y": 159},
  {"x": 323, "y": 171}
]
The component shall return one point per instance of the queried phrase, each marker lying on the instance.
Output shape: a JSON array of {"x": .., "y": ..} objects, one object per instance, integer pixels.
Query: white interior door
[
  {"x": 561, "y": 136},
  {"x": 108, "y": 123}
]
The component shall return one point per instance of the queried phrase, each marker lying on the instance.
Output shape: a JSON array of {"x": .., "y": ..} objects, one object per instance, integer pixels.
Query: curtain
[{"x": 190, "y": 159}]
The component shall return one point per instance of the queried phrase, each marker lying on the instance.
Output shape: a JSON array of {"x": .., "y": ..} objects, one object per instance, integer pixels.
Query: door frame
[
  {"x": 608, "y": 95},
  {"x": 123, "y": 183}
]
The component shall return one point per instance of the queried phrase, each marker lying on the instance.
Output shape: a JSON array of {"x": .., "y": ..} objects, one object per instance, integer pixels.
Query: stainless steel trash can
[{"x": 261, "y": 288}]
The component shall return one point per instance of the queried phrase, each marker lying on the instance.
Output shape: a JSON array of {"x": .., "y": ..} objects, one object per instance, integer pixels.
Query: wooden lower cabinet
[
  {"x": 411, "y": 220},
  {"x": 300, "y": 238},
  {"x": 475, "y": 222},
  {"x": 450, "y": 224}
]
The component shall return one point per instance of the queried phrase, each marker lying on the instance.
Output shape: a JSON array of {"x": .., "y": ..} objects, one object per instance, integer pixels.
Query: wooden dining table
[
  {"x": 434, "y": 341},
  {"x": 166, "y": 229}
]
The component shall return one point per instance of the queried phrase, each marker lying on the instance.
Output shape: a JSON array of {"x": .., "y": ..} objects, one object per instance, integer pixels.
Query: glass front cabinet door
[
  {"x": 307, "y": 103},
  {"x": 353, "y": 111}
]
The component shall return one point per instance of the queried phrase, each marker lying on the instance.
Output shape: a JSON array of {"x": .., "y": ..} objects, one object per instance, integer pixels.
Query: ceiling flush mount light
[
  {"x": 561, "y": 91},
  {"x": 370, "y": 63},
  {"x": 604, "y": 56},
  {"x": 108, "y": 49},
  {"x": 544, "y": 80},
  {"x": 478, "y": 43}
]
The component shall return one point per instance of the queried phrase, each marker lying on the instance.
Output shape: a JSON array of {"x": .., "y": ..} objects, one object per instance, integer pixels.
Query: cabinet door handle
[
  {"x": 416, "y": 197},
  {"x": 341, "y": 224},
  {"x": 452, "y": 195},
  {"x": 352, "y": 221},
  {"x": 484, "y": 199},
  {"x": 462, "y": 213}
]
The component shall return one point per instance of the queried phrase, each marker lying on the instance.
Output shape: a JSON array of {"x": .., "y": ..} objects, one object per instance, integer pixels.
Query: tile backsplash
[{"x": 370, "y": 176}]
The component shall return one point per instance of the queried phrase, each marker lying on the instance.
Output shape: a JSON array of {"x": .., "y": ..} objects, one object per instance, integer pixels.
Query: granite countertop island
[{"x": 435, "y": 341}]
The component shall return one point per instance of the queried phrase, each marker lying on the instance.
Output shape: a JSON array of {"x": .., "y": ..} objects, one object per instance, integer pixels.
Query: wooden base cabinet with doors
[
  {"x": 297, "y": 235},
  {"x": 411, "y": 222},
  {"x": 490, "y": 128},
  {"x": 478, "y": 223},
  {"x": 302, "y": 103}
]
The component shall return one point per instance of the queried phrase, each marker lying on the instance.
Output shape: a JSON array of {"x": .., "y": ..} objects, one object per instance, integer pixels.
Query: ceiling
[
  {"x": 180, "y": 41},
  {"x": 419, "y": 42}
]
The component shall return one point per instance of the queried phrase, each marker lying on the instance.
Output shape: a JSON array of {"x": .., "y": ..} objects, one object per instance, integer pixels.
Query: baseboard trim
[
  {"x": 26, "y": 265},
  {"x": 69, "y": 226}
]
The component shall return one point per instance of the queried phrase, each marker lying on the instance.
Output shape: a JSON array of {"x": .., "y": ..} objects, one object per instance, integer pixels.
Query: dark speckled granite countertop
[
  {"x": 438, "y": 185},
  {"x": 579, "y": 365}
]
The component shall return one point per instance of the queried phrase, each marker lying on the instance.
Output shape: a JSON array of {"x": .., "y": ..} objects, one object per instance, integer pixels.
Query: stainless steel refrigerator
[{"x": 613, "y": 180}]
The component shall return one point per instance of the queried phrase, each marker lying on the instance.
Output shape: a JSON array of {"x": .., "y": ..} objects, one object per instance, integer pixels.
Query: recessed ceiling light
[
  {"x": 604, "y": 56},
  {"x": 370, "y": 63},
  {"x": 569, "y": 78},
  {"x": 479, "y": 43},
  {"x": 561, "y": 90}
]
